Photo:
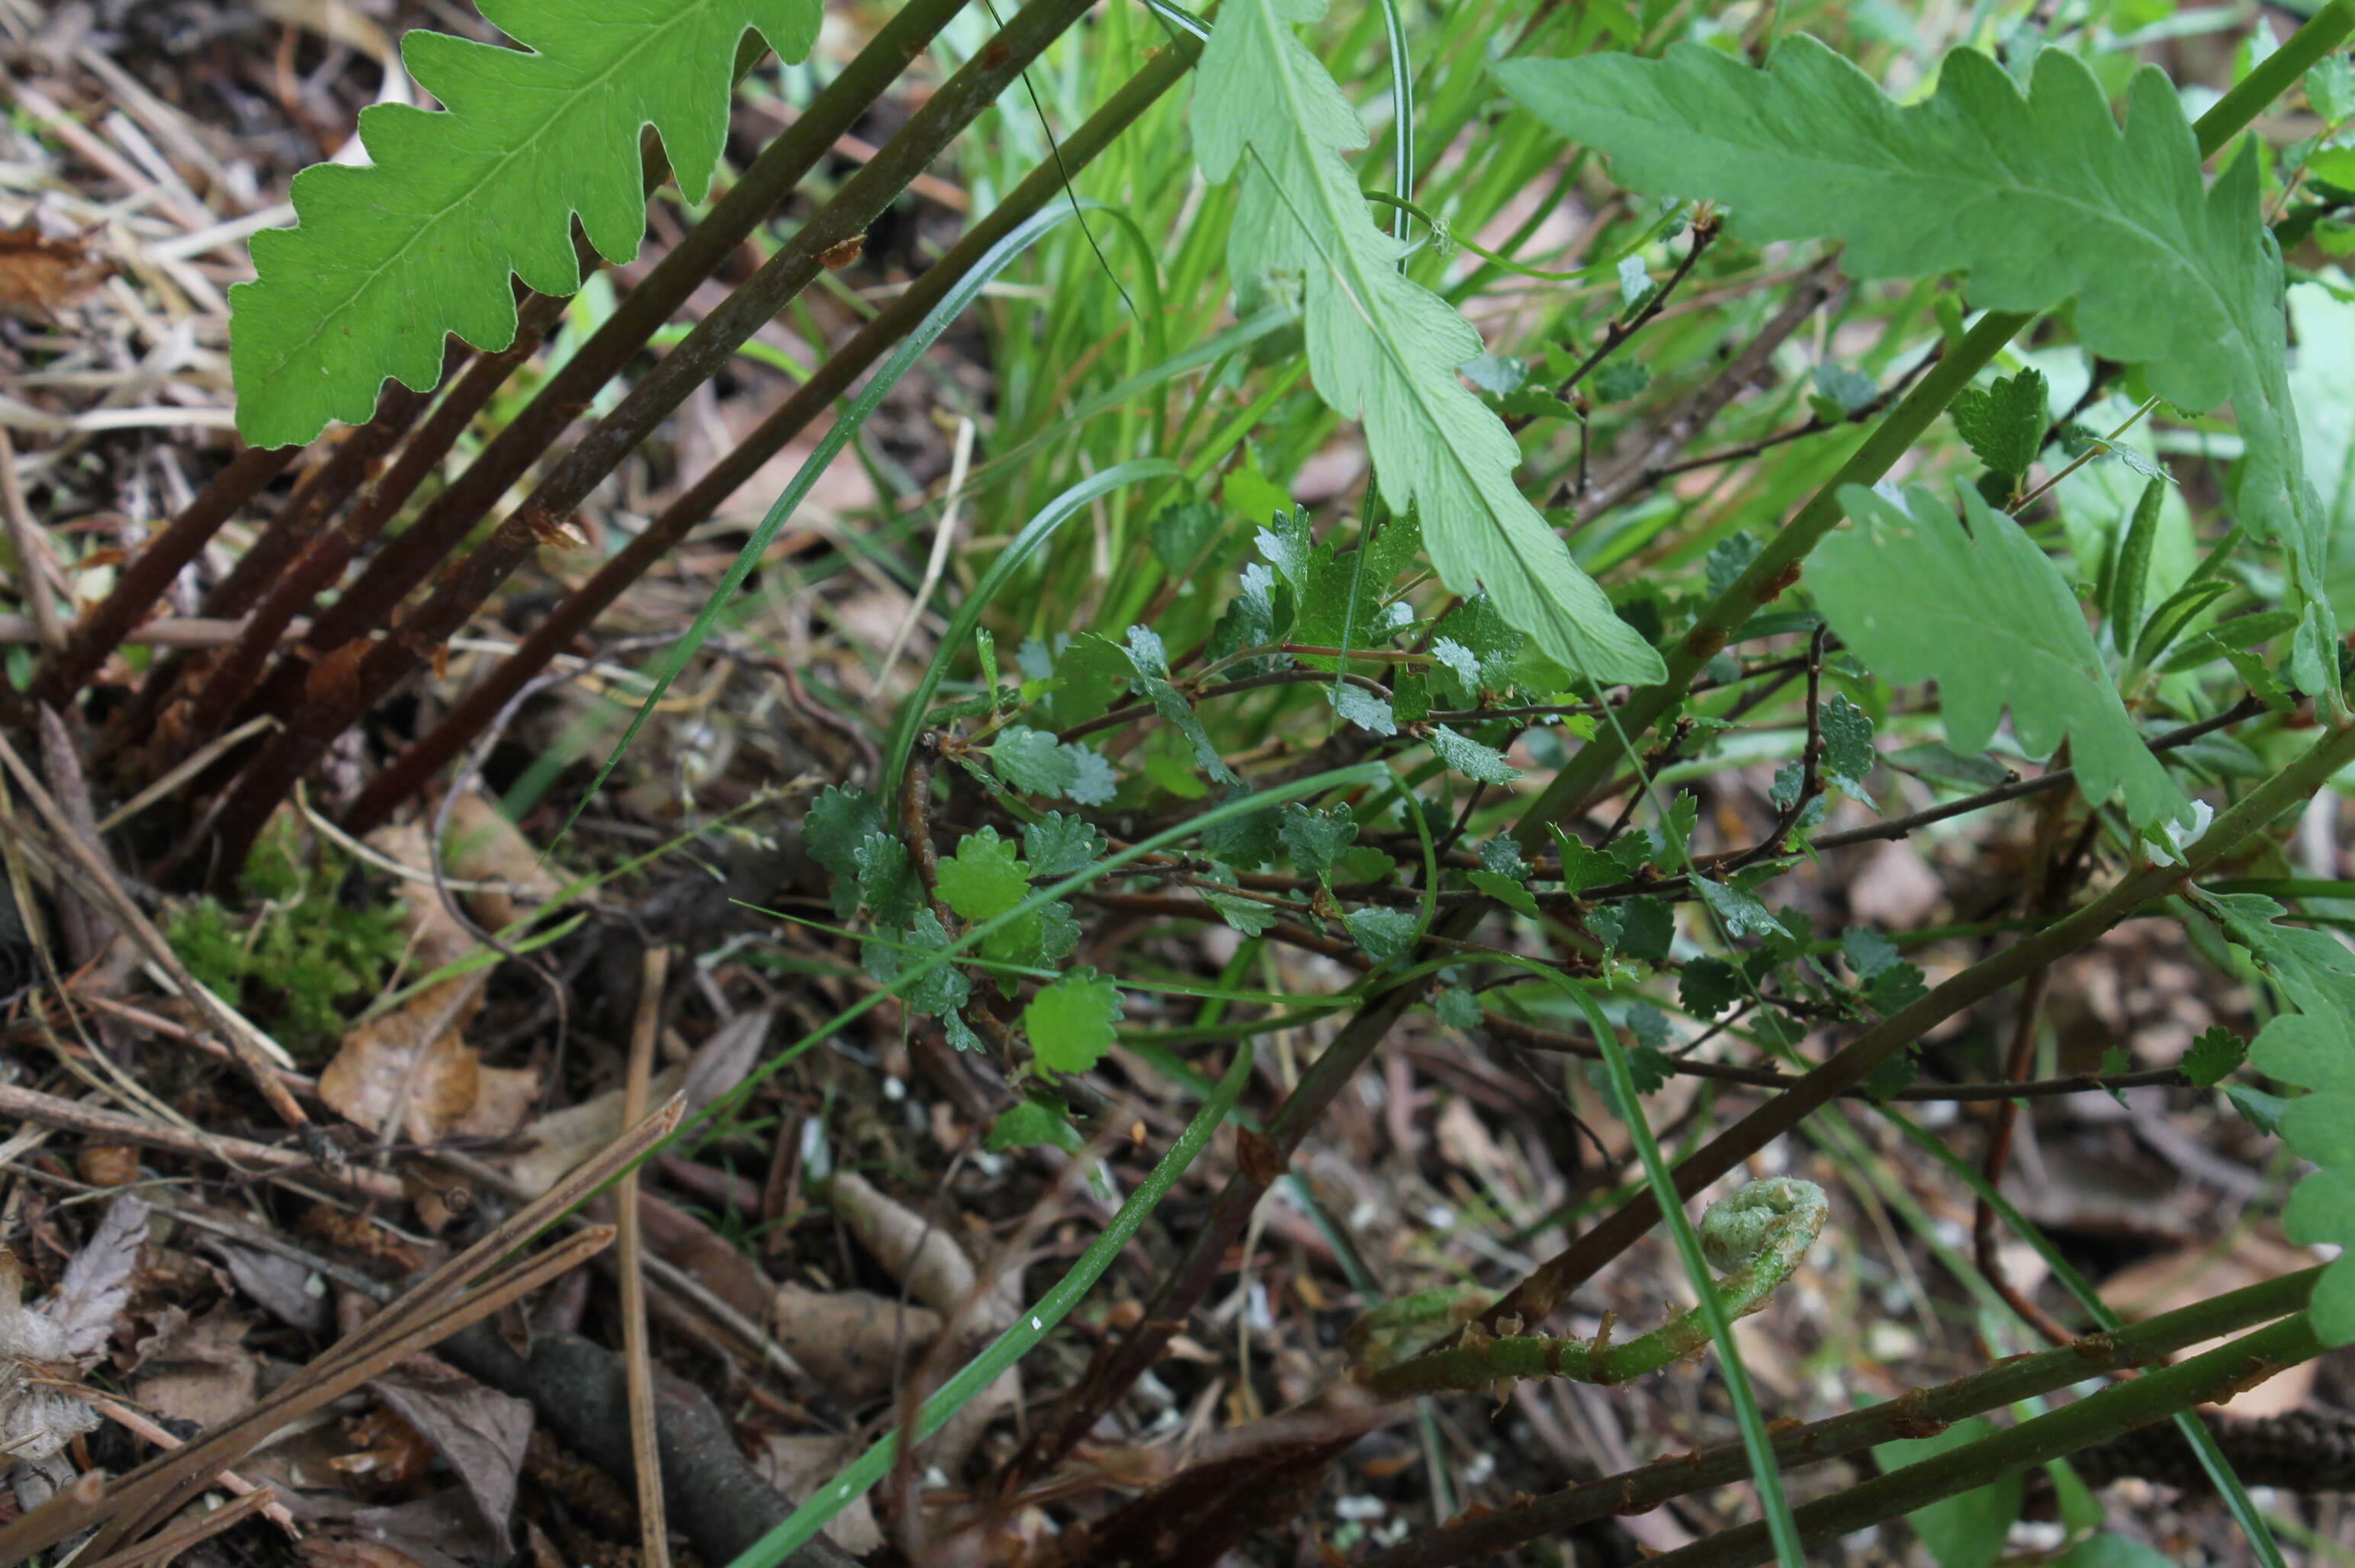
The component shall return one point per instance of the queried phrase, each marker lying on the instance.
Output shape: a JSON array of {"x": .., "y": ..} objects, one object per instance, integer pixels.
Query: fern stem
[
  {"x": 226, "y": 690},
  {"x": 148, "y": 573},
  {"x": 2121, "y": 1407},
  {"x": 1916, "y": 1413},
  {"x": 409, "y": 771},
  {"x": 452, "y": 517},
  {"x": 335, "y": 692}
]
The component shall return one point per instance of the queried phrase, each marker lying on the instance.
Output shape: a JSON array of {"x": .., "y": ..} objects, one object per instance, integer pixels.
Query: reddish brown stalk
[
  {"x": 150, "y": 572},
  {"x": 320, "y": 565},
  {"x": 452, "y": 515},
  {"x": 321, "y": 494},
  {"x": 355, "y": 675},
  {"x": 409, "y": 772},
  {"x": 319, "y": 497}
]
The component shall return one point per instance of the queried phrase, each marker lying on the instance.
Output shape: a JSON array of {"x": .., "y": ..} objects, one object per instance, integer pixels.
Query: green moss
[{"x": 299, "y": 967}]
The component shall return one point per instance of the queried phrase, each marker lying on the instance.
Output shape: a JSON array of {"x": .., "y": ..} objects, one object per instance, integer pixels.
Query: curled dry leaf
[
  {"x": 920, "y": 1253},
  {"x": 562, "y": 1139},
  {"x": 96, "y": 1285}
]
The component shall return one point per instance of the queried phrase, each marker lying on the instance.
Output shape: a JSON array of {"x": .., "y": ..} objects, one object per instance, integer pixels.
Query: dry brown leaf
[
  {"x": 480, "y": 1431},
  {"x": 435, "y": 935},
  {"x": 287, "y": 1290},
  {"x": 198, "y": 1369},
  {"x": 562, "y": 1139},
  {"x": 848, "y": 1340},
  {"x": 40, "y": 276},
  {"x": 414, "y": 1063},
  {"x": 483, "y": 846},
  {"x": 96, "y": 1285}
]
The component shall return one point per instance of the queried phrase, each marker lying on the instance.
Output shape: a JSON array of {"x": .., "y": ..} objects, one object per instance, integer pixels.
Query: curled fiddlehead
[{"x": 1755, "y": 1238}]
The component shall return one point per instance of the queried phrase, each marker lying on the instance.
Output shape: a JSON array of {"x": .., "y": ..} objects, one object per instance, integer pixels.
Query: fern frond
[
  {"x": 1381, "y": 348},
  {"x": 1986, "y": 615},
  {"x": 2043, "y": 197},
  {"x": 386, "y": 260}
]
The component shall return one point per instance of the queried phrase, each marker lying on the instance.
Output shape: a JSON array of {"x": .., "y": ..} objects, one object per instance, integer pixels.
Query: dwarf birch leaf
[
  {"x": 1987, "y": 616},
  {"x": 2164, "y": 271},
  {"x": 1382, "y": 348},
  {"x": 386, "y": 260}
]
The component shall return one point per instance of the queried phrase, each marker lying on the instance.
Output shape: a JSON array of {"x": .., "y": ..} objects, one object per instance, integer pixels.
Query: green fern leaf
[
  {"x": 2043, "y": 197},
  {"x": 1381, "y": 348},
  {"x": 1988, "y": 617},
  {"x": 385, "y": 261},
  {"x": 2314, "y": 1046}
]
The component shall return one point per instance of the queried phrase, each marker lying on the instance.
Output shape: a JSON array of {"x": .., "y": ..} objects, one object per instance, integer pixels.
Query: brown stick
[
  {"x": 653, "y": 1533},
  {"x": 166, "y": 1544},
  {"x": 71, "y": 1509},
  {"x": 115, "y": 1127}
]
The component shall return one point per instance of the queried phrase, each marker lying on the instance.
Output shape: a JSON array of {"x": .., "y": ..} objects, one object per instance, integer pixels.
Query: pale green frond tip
[
  {"x": 1383, "y": 349},
  {"x": 1778, "y": 1212},
  {"x": 1988, "y": 616},
  {"x": 386, "y": 262},
  {"x": 2163, "y": 268}
]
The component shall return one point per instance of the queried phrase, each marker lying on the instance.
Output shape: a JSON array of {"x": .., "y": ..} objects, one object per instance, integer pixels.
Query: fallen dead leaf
[
  {"x": 485, "y": 846},
  {"x": 848, "y": 1341},
  {"x": 96, "y": 1285},
  {"x": 435, "y": 935},
  {"x": 562, "y": 1139},
  {"x": 40, "y": 276},
  {"x": 413, "y": 1064},
  {"x": 287, "y": 1290},
  {"x": 198, "y": 1369},
  {"x": 480, "y": 1431}
]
